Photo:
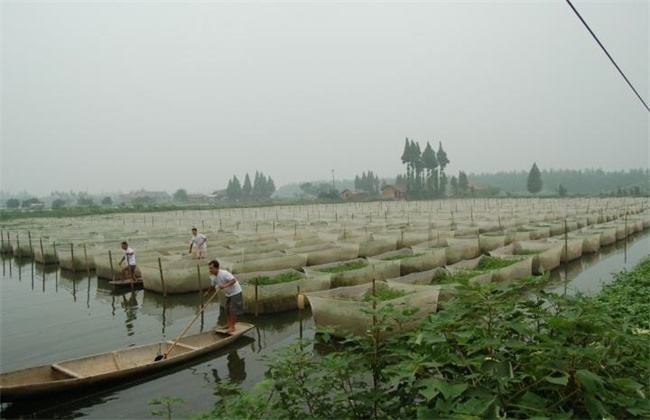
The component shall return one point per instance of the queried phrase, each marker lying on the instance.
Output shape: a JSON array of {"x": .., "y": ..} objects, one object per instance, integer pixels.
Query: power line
[{"x": 608, "y": 55}]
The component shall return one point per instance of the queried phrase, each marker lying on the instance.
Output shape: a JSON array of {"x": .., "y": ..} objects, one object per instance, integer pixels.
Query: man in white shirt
[
  {"x": 201, "y": 242},
  {"x": 223, "y": 280},
  {"x": 129, "y": 256}
]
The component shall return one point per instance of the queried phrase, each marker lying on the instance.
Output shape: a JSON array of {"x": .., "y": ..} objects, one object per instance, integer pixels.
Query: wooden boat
[{"x": 78, "y": 374}]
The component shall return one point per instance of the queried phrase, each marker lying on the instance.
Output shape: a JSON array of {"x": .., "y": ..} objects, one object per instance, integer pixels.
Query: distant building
[
  {"x": 156, "y": 196},
  {"x": 348, "y": 194},
  {"x": 219, "y": 195},
  {"x": 198, "y": 198},
  {"x": 393, "y": 192}
]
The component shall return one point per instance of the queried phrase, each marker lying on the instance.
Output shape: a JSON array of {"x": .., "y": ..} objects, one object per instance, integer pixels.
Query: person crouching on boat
[
  {"x": 223, "y": 280},
  {"x": 201, "y": 242},
  {"x": 129, "y": 256}
]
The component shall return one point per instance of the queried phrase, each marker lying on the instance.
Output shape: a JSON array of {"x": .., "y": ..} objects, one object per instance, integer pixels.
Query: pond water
[{"x": 48, "y": 315}]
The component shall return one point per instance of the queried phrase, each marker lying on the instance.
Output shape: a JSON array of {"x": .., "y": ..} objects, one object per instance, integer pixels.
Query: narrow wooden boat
[{"x": 79, "y": 374}]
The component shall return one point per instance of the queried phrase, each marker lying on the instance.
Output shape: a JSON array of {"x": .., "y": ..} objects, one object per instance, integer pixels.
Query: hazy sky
[{"x": 117, "y": 95}]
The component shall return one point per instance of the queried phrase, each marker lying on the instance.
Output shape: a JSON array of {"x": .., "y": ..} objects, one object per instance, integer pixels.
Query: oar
[{"x": 164, "y": 356}]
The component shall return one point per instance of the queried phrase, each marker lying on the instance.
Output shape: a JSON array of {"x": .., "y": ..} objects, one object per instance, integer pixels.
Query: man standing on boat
[
  {"x": 201, "y": 242},
  {"x": 129, "y": 256},
  {"x": 223, "y": 280}
]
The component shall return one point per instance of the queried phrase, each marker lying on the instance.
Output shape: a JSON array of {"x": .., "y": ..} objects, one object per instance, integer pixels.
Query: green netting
[
  {"x": 278, "y": 297},
  {"x": 72, "y": 258},
  {"x": 354, "y": 272},
  {"x": 546, "y": 255},
  {"x": 590, "y": 241},
  {"x": 468, "y": 247},
  {"x": 295, "y": 261},
  {"x": 345, "y": 311},
  {"x": 412, "y": 261},
  {"x": 340, "y": 252},
  {"x": 607, "y": 234},
  {"x": 376, "y": 246},
  {"x": 492, "y": 240},
  {"x": 572, "y": 250}
]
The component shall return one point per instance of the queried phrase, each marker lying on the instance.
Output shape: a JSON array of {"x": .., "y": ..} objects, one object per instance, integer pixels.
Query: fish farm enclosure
[{"x": 300, "y": 268}]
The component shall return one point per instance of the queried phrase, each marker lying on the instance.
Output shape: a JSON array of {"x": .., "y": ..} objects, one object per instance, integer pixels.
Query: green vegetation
[
  {"x": 493, "y": 263},
  {"x": 402, "y": 257},
  {"x": 492, "y": 352},
  {"x": 383, "y": 293},
  {"x": 280, "y": 278},
  {"x": 348, "y": 266}
]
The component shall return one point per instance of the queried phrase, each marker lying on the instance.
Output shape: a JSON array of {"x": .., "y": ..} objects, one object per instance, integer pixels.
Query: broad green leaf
[
  {"x": 589, "y": 380},
  {"x": 430, "y": 389},
  {"x": 558, "y": 380}
]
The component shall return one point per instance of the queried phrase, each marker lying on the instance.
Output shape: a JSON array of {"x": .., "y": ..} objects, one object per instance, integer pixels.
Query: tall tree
[
  {"x": 443, "y": 161},
  {"x": 534, "y": 182},
  {"x": 180, "y": 195},
  {"x": 453, "y": 182},
  {"x": 430, "y": 163},
  {"x": 406, "y": 158},
  {"x": 463, "y": 183},
  {"x": 234, "y": 189},
  {"x": 416, "y": 165},
  {"x": 247, "y": 188}
]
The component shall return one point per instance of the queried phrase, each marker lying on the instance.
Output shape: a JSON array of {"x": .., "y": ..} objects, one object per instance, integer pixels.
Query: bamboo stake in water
[
  {"x": 86, "y": 258},
  {"x": 162, "y": 278},
  {"x": 72, "y": 257},
  {"x": 300, "y": 316},
  {"x": 198, "y": 277},
  {"x": 110, "y": 262}
]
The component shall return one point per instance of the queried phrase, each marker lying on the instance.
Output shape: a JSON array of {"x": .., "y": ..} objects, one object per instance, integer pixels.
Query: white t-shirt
[
  {"x": 223, "y": 277},
  {"x": 199, "y": 240},
  {"x": 129, "y": 256}
]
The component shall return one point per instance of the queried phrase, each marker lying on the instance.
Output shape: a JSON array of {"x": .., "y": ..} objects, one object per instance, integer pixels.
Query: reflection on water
[
  {"x": 588, "y": 274},
  {"x": 57, "y": 315}
]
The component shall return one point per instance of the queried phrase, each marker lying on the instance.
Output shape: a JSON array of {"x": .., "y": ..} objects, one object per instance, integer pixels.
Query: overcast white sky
[{"x": 105, "y": 96}]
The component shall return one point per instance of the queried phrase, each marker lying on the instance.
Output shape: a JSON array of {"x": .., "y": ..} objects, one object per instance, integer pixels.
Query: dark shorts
[
  {"x": 234, "y": 305},
  {"x": 132, "y": 269}
]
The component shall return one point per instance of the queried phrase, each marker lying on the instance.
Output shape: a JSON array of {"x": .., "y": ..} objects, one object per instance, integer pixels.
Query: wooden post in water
[
  {"x": 301, "y": 304},
  {"x": 566, "y": 242},
  {"x": 198, "y": 278},
  {"x": 162, "y": 278},
  {"x": 72, "y": 257},
  {"x": 256, "y": 303},
  {"x": 86, "y": 258},
  {"x": 110, "y": 262},
  {"x": 42, "y": 252},
  {"x": 31, "y": 248}
]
